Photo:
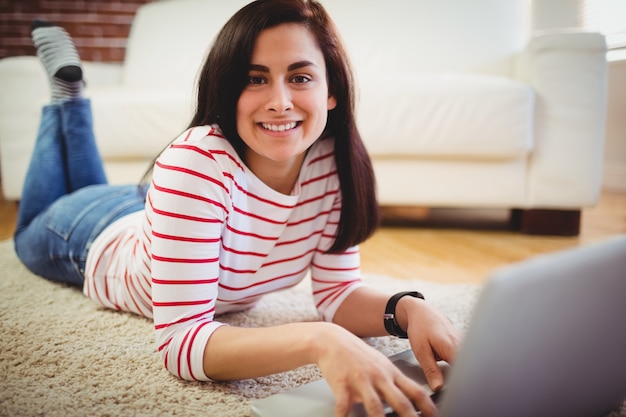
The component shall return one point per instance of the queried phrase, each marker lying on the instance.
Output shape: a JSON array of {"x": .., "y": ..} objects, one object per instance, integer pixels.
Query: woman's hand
[
  {"x": 357, "y": 373},
  {"x": 431, "y": 335},
  {"x": 362, "y": 374}
]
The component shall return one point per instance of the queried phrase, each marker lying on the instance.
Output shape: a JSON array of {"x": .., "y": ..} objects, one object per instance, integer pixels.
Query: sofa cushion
[
  {"x": 454, "y": 116},
  {"x": 170, "y": 38},
  {"x": 137, "y": 123},
  {"x": 425, "y": 36}
]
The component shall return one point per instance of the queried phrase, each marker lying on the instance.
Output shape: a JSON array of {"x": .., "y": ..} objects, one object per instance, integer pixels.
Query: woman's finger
[
  {"x": 419, "y": 398},
  {"x": 401, "y": 396},
  {"x": 343, "y": 403},
  {"x": 372, "y": 402},
  {"x": 426, "y": 358}
]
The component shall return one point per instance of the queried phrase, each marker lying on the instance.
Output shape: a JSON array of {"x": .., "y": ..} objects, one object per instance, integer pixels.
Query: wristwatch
[{"x": 389, "y": 319}]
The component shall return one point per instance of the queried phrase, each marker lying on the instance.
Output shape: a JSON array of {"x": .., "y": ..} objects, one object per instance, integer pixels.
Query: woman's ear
[{"x": 332, "y": 102}]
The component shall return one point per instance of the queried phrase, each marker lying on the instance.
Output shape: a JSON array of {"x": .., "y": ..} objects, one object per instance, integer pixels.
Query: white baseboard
[{"x": 614, "y": 178}]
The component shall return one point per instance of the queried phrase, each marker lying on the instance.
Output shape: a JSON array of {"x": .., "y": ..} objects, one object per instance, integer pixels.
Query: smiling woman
[{"x": 269, "y": 183}]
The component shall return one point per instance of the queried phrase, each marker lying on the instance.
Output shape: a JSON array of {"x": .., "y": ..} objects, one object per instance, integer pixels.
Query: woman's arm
[
  {"x": 235, "y": 353},
  {"x": 356, "y": 372}
]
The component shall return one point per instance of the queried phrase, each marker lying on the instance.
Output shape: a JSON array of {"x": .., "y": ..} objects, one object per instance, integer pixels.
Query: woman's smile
[{"x": 285, "y": 127}]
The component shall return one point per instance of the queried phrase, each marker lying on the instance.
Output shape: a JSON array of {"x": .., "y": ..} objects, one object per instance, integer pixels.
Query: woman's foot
[{"x": 58, "y": 54}]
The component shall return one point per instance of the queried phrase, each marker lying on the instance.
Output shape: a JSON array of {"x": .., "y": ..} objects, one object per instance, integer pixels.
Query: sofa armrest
[
  {"x": 26, "y": 75},
  {"x": 568, "y": 72},
  {"x": 24, "y": 89}
]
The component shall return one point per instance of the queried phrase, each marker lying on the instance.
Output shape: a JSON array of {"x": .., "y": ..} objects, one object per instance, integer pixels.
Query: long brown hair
[{"x": 223, "y": 78}]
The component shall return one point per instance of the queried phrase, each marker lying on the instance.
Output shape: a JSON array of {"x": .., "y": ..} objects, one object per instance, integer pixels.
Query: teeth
[{"x": 279, "y": 128}]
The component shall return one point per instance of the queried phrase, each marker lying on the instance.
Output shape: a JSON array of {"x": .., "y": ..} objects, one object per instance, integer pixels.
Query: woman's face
[{"x": 284, "y": 108}]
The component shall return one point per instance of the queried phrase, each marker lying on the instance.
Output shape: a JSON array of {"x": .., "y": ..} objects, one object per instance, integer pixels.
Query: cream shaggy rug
[{"x": 61, "y": 355}]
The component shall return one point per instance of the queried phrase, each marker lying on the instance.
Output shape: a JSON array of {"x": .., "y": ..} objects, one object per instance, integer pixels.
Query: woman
[{"x": 270, "y": 181}]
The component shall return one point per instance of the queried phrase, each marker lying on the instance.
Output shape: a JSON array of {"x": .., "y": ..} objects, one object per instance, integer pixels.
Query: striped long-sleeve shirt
[{"x": 213, "y": 238}]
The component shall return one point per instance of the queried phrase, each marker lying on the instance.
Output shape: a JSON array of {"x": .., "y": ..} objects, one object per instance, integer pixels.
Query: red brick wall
[{"x": 99, "y": 27}]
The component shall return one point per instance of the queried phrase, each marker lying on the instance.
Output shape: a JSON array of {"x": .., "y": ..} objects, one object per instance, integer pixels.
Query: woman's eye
[
  {"x": 300, "y": 79},
  {"x": 256, "y": 80}
]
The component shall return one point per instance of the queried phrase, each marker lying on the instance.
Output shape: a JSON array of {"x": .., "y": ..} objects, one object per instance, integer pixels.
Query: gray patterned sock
[{"x": 57, "y": 53}]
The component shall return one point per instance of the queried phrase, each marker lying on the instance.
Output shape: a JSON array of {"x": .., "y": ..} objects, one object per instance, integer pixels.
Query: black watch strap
[{"x": 389, "y": 319}]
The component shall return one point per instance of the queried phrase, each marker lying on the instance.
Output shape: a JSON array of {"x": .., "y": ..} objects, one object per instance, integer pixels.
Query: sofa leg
[{"x": 546, "y": 222}]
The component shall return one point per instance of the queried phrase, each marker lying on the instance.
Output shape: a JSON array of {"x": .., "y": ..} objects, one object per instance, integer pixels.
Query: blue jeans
[{"x": 66, "y": 201}]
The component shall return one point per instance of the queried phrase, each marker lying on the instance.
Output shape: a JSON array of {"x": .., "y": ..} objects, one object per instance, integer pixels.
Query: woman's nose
[{"x": 279, "y": 99}]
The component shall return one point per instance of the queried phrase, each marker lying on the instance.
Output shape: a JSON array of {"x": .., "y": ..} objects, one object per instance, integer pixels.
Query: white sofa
[{"x": 459, "y": 104}]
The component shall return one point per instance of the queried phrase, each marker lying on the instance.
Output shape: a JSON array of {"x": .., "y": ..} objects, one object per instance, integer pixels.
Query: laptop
[{"x": 547, "y": 337}]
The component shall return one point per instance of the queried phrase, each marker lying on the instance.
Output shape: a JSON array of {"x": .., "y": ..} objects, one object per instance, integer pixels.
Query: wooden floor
[{"x": 453, "y": 246}]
